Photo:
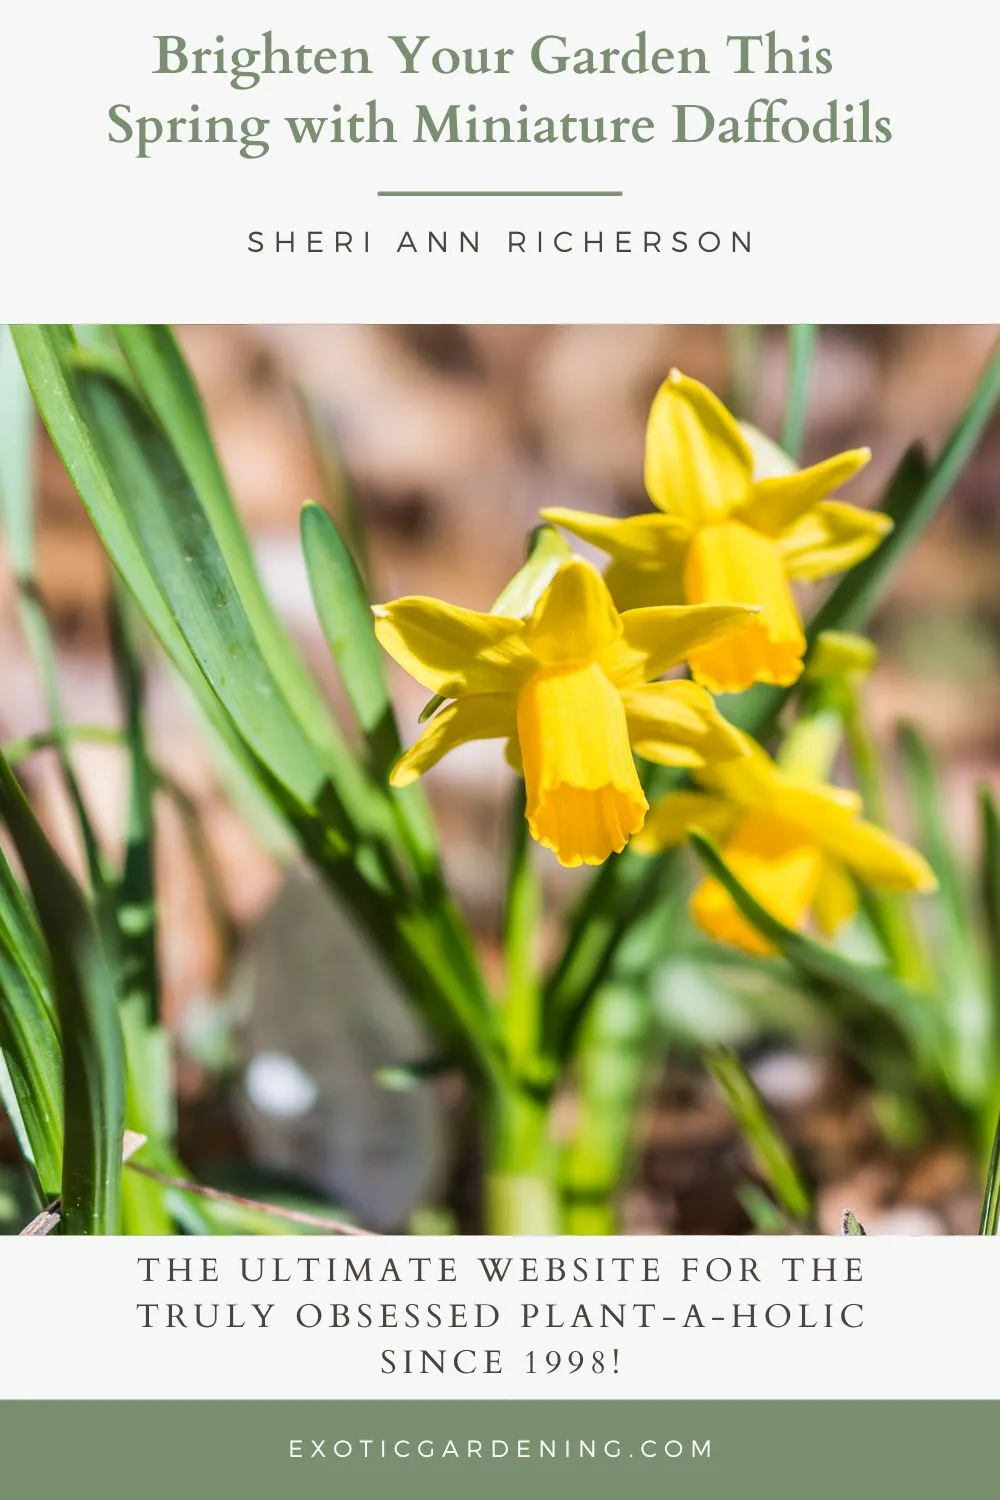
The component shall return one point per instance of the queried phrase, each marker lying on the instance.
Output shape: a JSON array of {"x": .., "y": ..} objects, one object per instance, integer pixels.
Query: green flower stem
[
  {"x": 611, "y": 1067},
  {"x": 520, "y": 1189},
  {"x": 611, "y": 910},
  {"x": 810, "y": 747},
  {"x": 521, "y": 1014}
]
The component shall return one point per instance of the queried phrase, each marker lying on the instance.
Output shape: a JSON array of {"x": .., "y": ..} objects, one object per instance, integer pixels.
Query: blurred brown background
[{"x": 453, "y": 438}]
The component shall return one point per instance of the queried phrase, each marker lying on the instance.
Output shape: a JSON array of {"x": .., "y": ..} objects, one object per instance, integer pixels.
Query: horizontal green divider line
[{"x": 499, "y": 193}]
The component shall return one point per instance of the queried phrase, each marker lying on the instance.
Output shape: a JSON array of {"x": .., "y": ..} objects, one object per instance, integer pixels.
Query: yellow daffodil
[
  {"x": 572, "y": 691},
  {"x": 735, "y": 521},
  {"x": 798, "y": 847}
]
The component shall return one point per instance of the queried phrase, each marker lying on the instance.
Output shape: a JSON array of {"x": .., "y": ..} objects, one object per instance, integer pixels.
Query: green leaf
[
  {"x": 926, "y": 797},
  {"x": 338, "y": 490},
  {"x": 345, "y": 617},
  {"x": 770, "y": 1150},
  {"x": 966, "y": 1006},
  {"x": 194, "y": 580},
  {"x": 612, "y": 907},
  {"x": 348, "y": 627},
  {"x": 761, "y": 1209},
  {"x": 162, "y": 375},
  {"x": 745, "y": 348},
  {"x": 801, "y": 347},
  {"x": 29, "y": 1038},
  {"x": 17, "y": 512},
  {"x": 913, "y": 498},
  {"x": 989, "y": 1223},
  {"x": 891, "y": 914},
  {"x": 990, "y": 823},
  {"x": 149, "y": 1112},
  {"x": 149, "y": 1082},
  {"x": 93, "y": 1063},
  {"x": 347, "y": 623},
  {"x": 161, "y": 538}
]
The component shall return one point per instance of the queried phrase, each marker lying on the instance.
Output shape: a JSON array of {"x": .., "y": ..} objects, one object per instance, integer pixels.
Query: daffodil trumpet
[
  {"x": 800, "y": 848},
  {"x": 573, "y": 691},
  {"x": 735, "y": 521}
]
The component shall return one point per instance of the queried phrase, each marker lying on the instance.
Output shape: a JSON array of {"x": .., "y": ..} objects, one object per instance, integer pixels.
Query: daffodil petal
[
  {"x": 775, "y": 504},
  {"x": 751, "y": 781},
  {"x": 583, "y": 795},
  {"x": 877, "y": 858},
  {"x": 575, "y": 619},
  {"x": 829, "y": 815},
  {"x": 698, "y": 464},
  {"x": 641, "y": 588},
  {"x": 812, "y": 806},
  {"x": 670, "y": 820},
  {"x": 677, "y": 724},
  {"x": 654, "y": 640},
  {"x": 831, "y": 538},
  {"x": 836, "y": 898},
  {"x": 451, "y": 650},
  {"x": 778, "y": 864},
  {"x": 648, "y": 541},
  {"x": 732, "y": 563},
  {"x": 481, "y": 716}
]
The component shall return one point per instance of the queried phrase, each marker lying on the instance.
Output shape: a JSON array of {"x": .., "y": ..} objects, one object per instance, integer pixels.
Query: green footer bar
[{"x": 252, "y": 1450}]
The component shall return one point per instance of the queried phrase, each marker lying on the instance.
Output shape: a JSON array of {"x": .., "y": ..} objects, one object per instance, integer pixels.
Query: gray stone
[{"x": 325, "y": 1021}]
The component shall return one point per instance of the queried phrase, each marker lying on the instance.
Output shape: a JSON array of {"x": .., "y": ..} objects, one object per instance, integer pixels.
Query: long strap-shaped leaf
[
  {"x": 29, "y": 1035},
  {"x": 346, "y": 620},
  {"x": 166, "y": 383},
  {"x": 17, "y": 512},
  {"x": 760, "y": 1132},
  {"x": 29, "y": 1041},
  {"x": 161, "y": 539},
  {"x": 83, "y": 984}
]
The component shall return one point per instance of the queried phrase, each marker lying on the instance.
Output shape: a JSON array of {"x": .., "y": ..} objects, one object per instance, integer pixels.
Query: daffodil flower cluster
[{"x": 576, "y": 691}]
